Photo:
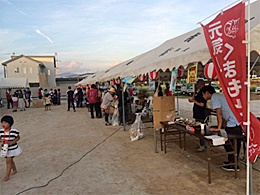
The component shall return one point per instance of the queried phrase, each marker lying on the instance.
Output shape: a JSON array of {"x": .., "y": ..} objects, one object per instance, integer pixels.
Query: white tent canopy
[
  {"x": 14, "y": 83},
  {"x": 189, "y": 48}
]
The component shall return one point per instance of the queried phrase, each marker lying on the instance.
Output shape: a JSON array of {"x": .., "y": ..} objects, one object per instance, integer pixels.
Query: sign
[
  {"x": 129, "y": 79},
  {"x": 192, "y": 74},
  {"x": 224, "y": 36},
  {"x": 173, "y": 80},
  {"x": 151, "y": 85}
]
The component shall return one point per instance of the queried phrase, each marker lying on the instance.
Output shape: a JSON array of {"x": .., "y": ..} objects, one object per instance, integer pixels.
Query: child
[
  {"x": 47, "y": 102},
  {"x": 12, "y": 136}
]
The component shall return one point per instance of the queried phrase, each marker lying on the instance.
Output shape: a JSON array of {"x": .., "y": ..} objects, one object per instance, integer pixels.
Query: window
[
  {"x": 49, "y": 72},
  {"x": 24, "y": 70},
  {"x": 16, "y": 70},
  {"x": 30, "y": 69}
]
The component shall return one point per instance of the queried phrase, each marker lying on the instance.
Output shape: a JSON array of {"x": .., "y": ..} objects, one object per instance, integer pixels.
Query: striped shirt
[{"x": 5, "y": 136}]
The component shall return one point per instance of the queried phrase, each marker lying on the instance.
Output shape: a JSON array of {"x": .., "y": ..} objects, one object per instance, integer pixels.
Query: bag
[
  {"x": 107, "y": 110},
  {"x": 104, "y": 107}
]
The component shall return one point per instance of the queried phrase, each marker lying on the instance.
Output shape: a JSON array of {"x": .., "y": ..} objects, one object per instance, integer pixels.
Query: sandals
[
  {"x": 107, "y": 124},
  {"x": 201, "y": 149}
]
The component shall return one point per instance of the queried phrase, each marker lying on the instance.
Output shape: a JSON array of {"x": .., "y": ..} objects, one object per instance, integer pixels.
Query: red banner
[{"x": 224, "y": 36}]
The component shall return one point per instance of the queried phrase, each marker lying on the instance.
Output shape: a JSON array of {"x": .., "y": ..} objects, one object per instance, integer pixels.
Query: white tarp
[
  {"x": 91, "y": 79},
  {"x": 14, "y": 83},
  {"x": 188, "y": 48}
]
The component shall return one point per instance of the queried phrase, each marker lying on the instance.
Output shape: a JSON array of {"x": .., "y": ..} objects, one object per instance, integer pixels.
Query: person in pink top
[{"x": 92, "y": 98}]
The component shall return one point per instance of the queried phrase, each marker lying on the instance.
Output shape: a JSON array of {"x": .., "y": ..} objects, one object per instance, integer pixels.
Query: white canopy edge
[{"x": 14, "y": 83}]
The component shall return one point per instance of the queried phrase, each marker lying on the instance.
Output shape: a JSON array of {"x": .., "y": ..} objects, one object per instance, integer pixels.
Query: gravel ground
[{"x": 102, "y": 160}]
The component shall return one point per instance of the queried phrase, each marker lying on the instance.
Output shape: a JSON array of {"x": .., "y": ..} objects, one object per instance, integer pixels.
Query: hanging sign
[
  {"x": 192, "y": 74},
  {"x": 151, "y": 84},
  {"x": 173, "y": 80}
]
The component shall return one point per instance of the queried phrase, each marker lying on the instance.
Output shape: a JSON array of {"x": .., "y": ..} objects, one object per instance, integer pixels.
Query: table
[{"x": 197, "y": 133}]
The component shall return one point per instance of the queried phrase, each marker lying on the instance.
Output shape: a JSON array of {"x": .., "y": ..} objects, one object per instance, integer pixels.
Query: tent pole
[
  {"x": 123, "y": 105},
  {"x": 248, "y": 182}
]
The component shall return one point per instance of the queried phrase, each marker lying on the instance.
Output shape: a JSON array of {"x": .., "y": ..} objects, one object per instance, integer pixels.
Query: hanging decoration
[
  {"x": 118, "y": 81},
  {"x": 112, "y": 82},
  {"x": 181, "y": 71},
  {"x": 209, "y": 71},
  {"x": 142, "y": 77},
  {"x": 153, "y": 75}
]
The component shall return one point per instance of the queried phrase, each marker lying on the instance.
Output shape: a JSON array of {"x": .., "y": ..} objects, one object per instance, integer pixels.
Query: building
[{"x": 40, "y": 70}]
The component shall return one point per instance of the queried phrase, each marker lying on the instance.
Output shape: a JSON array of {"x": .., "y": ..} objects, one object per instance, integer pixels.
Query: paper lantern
[
  {"x": 142, "y": 77},
  {"x": 209, "y": 71},
  {"x": 118, "y": 81},
  {"x": 112, "y": 82},
  {"x": 180, "y": 71},
  {"x": 153, "y": 75}
]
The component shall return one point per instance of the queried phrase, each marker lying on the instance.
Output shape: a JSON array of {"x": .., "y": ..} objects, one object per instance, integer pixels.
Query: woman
[
  {"x": 107, "y": 102},
  {"x": 21, "y": 103}
]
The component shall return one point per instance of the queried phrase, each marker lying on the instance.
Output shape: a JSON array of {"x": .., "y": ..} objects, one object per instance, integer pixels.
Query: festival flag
[{"x": 224, "y": 36}]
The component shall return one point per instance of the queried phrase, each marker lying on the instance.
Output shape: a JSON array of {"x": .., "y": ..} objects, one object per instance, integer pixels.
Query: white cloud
[
  {"x": 40, "y": 33},
  {"x": 115, "y": 63}
]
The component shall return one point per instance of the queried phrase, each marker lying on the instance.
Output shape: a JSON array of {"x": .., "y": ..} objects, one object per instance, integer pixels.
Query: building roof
[{"x": 18, "y": 57}]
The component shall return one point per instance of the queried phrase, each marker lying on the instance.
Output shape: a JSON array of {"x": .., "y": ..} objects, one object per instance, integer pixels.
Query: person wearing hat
[
  {"x": 106, "y": 103},
  {"x": 9, "y": 136}
]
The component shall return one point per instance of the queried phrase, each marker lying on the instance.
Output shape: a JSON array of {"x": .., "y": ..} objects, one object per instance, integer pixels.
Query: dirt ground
[{"x": 102, "y": 160}]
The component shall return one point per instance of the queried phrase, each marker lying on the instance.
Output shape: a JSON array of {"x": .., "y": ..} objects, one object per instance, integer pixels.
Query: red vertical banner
[{"x": 224, "y": 36}]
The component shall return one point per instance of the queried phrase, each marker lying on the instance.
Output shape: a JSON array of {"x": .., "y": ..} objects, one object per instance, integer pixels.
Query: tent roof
[
  {"x": 189, "y": 48},
  {"x": 14, "y": 83}
]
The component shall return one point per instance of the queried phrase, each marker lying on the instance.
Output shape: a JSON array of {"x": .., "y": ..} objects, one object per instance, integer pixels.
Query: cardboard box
[
  {"x": 37, "y": 103},
  {"x": 163, "y": 103},
  {"x": 159, "y": 116}
]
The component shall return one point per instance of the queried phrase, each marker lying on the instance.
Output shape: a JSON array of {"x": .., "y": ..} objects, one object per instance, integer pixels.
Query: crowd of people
[{"x": 20, "y": 99}]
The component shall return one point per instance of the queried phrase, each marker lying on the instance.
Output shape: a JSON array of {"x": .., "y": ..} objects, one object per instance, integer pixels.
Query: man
[
  {"x": 80, "y": 98},
  {"x": 92, "y": 98},
  {"x": 9, "y": 98},
  {"x": 120, "y": 105},
  {"x": 29, "y": 96},
  {"x": 70, "y": 94},
  {"x": 220, "y": 104}
]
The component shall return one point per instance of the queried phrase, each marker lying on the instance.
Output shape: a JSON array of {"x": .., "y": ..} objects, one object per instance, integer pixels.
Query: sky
[{"x": 91, "y": 36}]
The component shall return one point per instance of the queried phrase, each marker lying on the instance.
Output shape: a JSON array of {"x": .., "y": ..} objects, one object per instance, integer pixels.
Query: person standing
[
  {"x": 55, "y": 97},
  {"x": 70, "y": 94},
  {"x": 221, "y": 106},
  {"x": 21, "y": 103},
  {"x": 199, "y": 112},
  {"x": 9, "y": 98},
  {"x": 92, "y": 98},
  {"x": 29, "y": 96},
  {"x": 167, "y": 90},
  {"x": 99, "y": 101},
  {"x": 58, "y": 97},
  {"x": 80, "y": 98},
  {"x": 26, "y": 97},
  {"x": 106, "y": 103},
  {"x": 120, "y": 105},
  {"x": 39, "y": 93}
]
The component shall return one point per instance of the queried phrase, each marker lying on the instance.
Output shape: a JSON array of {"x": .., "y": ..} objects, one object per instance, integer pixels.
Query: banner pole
[{"x": 248, "y": 98}]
